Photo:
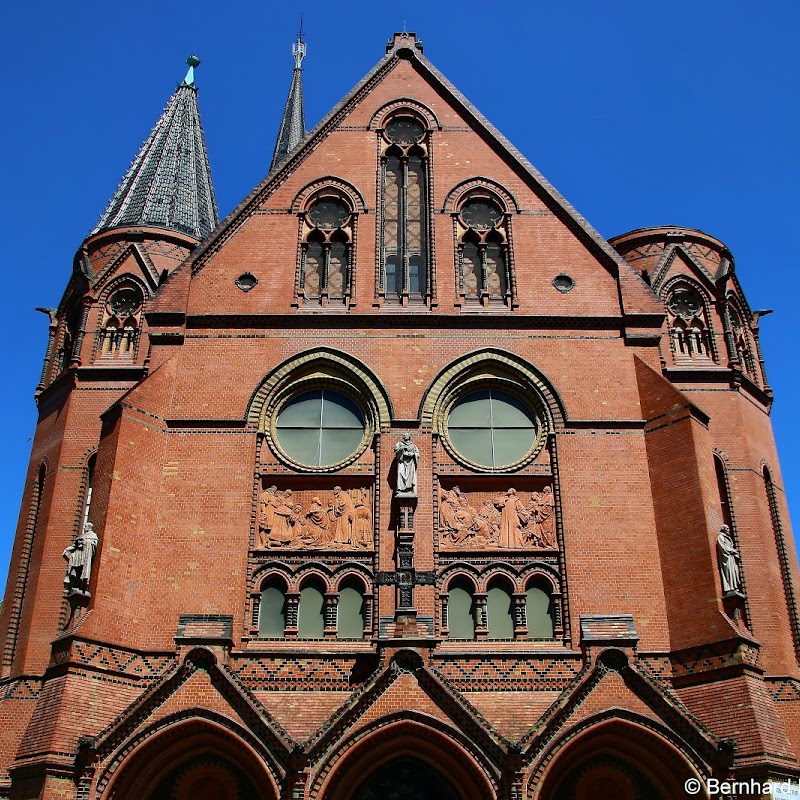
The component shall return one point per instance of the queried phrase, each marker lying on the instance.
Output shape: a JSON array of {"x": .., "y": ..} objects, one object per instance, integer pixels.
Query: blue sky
[{"x": 639, "y": 113}]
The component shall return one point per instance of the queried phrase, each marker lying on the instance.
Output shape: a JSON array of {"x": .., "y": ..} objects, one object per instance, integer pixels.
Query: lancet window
[
  {"x": 483, "y": 250},
  {"x": 690, "y": 335},
  {"x": 119, "y": 333},
  {"x": 404, "y": 275},
  {"x": 326, "y": 251}
]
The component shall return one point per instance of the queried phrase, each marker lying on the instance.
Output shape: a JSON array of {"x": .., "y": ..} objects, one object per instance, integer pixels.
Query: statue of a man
[
  {"x": 728, "y": 557},
  {"x": 79, "y": 557},
  {"x": 407, "y": 455}
]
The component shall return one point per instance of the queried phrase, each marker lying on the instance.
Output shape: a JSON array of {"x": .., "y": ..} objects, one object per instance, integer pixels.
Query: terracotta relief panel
[
  {"x": 335, "y": 519},
  {"x": 503, "y": 520}
]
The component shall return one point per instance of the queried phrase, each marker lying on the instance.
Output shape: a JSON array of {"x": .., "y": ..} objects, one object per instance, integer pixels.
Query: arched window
[
  {"x": 498, "y": 610},
  {"x": 404, "y": 271},
  {"x": 483, "y": 259},
  {"x": 311, "y": 622},
  {"x": 326, "y": 250},
  {"x": 272, "y": 610},
  {"x": 724, "y": 494},
  {"x": 119, "y": 333},
  {"x": 461, "y": 610},
  {"x": 351, "y": 617},
  {"x": 539, "y": 610},
  {"x": 690, "y": 337}
]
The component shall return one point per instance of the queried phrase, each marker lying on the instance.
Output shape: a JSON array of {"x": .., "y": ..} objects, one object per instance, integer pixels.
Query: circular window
[
  {"x": 481, "y": 213},
  {"x": 404, "y": 131},
  {"x": 329, "y": 213},
  {"x": 125, "y": 302},
  {"x": 685, "y": 303},
  {"x": 563, "y": 283},
  {"x": 320, "y": 428},
  {"x": 492, "y": 428}
]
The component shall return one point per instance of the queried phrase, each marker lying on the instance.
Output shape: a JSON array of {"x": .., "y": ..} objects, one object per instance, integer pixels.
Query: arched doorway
[
  {"x": 190, "y": 759},
  {"x": 613, "y": 760},
  {"x": 406, "y": 778}
]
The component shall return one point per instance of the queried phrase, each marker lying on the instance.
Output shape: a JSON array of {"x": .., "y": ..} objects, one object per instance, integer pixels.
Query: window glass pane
[
  {"x": 339, "y": 411},
  {"x": 312, "y": 276},
  {"x": 350, "y": 614},
  {"x": 472, "y": 269},
  {"x": 301, "y": 411},
  {"x": 320, "y": 428},
  {"x": 271, "y": 619},
  {"x": 302, "y": 445},
  {"x": 460, "y": 614},
  {"x": 311, "y": 624},
  {"x": 511, "y": 445},
  {"x": 471, "y": 412},
  {"x": 474, "y": 444},
  {"x": 416, "y": 275},
  {"x": 492, "y": 428},
  {"x": 338, "y": 443},
  {"x": 495, "y": 271},
  {"x": 392, "y": 275},
  {"x": 498, "y": 609},
  {"x": 508, "y": 412},
  {"x": 337, "y": 270},
  {"x": 540, "y": 613}
]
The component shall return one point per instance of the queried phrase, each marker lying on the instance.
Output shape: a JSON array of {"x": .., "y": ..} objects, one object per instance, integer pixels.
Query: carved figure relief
[
  {"x": 728, "y": 556},
  {"x": 509, "y": 520},
  {"x": 79, "y": 556},
  {"x": 341, "y": 520}
]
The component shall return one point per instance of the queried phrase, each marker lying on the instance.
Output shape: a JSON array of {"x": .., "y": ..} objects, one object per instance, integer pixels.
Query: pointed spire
[
  {"x": 293, "y": 124},
  {"x": 169, "y": 183}
]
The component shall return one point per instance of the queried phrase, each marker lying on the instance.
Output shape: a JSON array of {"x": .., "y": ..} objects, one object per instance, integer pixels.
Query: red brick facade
[{"x": 571, "y": 639}]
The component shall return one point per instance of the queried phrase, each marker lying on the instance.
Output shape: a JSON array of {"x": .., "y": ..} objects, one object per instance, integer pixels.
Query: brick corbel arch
[
  {"x": 406, "y": 733},
  {"x": 485, "y": 365},
  {"x": 339, "y": 185},
  {"x": 382, "y": 115},
  {"x": 479, "y": 185},
  {"x": 321, "y": 363}
]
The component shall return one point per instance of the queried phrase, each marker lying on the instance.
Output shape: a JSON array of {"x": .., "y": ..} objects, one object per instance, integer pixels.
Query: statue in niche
[
  {"x": 499, "y": 521},
  {"x": 729, "y": 568},
  {"x": 407, "y": 454},
  {"x": 79, "y": 556}
]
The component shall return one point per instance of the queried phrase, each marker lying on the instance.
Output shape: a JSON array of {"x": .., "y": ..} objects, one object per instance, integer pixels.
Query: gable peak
[{"x": 404, "y": 41}]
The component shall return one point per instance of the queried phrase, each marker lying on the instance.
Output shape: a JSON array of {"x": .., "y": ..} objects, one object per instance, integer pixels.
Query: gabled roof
[
  {"x": 636, "y": 296},
  {"x": 169, "y": 183}
]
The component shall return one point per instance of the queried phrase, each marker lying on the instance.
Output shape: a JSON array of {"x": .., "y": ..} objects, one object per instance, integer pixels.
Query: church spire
[
  {"x": 169, "y": 183},
  {"x": 293, "y": 124}
]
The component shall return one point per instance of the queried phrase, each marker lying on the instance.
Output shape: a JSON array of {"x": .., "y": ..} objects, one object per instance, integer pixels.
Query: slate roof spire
[
  {"x": 293, "y": 124},
  {"x": 169, "y": 183}
]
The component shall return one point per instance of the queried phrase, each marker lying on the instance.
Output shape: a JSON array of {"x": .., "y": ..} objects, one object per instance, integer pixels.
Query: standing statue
[
  {"x": 407, "y": 455},
  {"x": 728, "y": 556},
  {"x": 79, "y": 557}
]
